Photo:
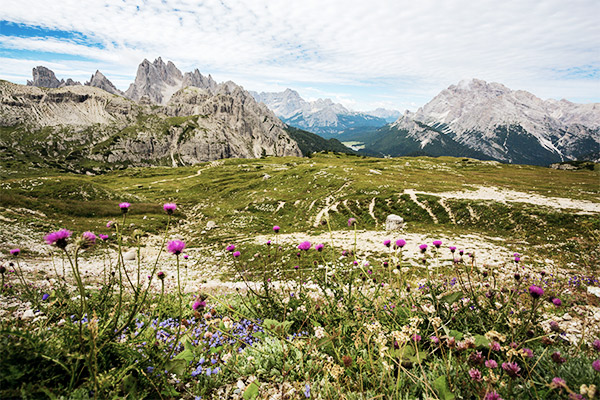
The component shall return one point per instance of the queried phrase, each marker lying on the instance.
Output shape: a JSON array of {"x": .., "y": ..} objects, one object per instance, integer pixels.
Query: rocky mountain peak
[
  {"x": 100, "y": 81},
  {"x": 45, "y": 77}
]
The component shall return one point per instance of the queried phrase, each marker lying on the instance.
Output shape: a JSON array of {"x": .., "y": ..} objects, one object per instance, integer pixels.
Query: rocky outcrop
[
  {"x": 100, "y": 81},
  {"x": 156, "y": 80},
  {"x": 44, "y": 77},
  {"x": 198, "y": 80}
]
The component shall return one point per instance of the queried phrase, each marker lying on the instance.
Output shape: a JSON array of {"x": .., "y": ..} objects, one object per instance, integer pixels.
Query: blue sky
[{"x": 381, "y": 53}]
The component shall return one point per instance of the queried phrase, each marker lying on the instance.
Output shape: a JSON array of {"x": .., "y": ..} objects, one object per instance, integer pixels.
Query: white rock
[
  {"x": 28, "y": 314},
  {"x": 394, "y": 223},
  {"x": 130, "y": 255},
  {"x": 594, "y": 290},
  {"x": 211, "y": 225}
]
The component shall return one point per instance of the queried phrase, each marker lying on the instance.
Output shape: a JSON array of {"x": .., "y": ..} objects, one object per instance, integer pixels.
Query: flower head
[
  {"x": 475, "y": 374},
  {"x": 492, "y": 396},
  {"x": 304, "y": 245},
  {"x": 170, "y": 208},
  {"x": 452, "y": 248},
  {"x": 557, "y": 302},
  {"x": 558, "y": 383},
  {"x": 351, "y": 221},
  {"x": 596, "y": 344},
  {"x": 161, "y": 275},
  {"x": 124, "y": 207},
  {"x": 198, "y": 305},
  {"x": 176, "y": 247},
  {"x": 307, "y": 391},
  {"x": 423, "y": 248},
  {"x": 58, "y": 238},
  {"x": 110, "y": 224},
  {"x": 387, "y": 242},
  {"x": 276, "y": 229},
  {"x": 231, "y": 247},
  {"x": 400, "y": 243},
  {"x": 319, "y": 247},
  {"x": 536, "y": 292},
  {"x": 15, "y": 252},
  {"x": 557, "y": 358},
  {"x": 437, "y": 243},
  {"x": 89, "y": 238},
  {"x": 103, "y": 236},
  {"x": 45, "y": 296},
  {"x": 596, "y": 365},
  {"x": 511, "y": 368},
  {"x": 491, "y": 364},
  {"x": 236, "y": 254}
]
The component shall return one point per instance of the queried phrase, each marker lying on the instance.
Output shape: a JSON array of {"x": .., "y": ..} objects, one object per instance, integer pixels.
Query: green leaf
[
  {"x": 456, "y": 334},
  {"x": 481, "y": 341},
  {"x": 251, "y": 391},
  {"x": 441, "y": 386},
  {"x": 177, "y": 366},
  {"x": 451, "y": 298}
]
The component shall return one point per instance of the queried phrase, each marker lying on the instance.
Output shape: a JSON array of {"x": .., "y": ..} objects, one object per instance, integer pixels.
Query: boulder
[{"x": 394, "y": 223}]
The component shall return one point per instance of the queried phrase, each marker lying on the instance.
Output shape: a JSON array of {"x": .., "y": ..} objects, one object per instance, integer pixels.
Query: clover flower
[
  {"x": 491, "y": 364},
  {"x": 58, "y": 238},
  {"x": 557, "y": 358},
  {"x": 558, "y": 383},
  {"x": 15, "y": 252},
  {"x": 124, "y": 207},
  {"x": 596, "y": 365},
  {"x": 304, "y": 245},
  {"x": 176, "y": 247},
  {"x": 475, "y": 374},
  {"x": 511, "y": 368},
  {"x": 492, "y": 396},
  {"x": 170, "y": 208},
  {"x": 535, "y": 291}
]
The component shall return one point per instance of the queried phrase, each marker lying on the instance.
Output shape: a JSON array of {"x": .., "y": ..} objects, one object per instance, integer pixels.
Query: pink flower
[
  {"x": 437, "y": 243},
  {"x": 558, "y": 383},
  {"x": 352, "y": 221},
  {"x": 319, "y": 247},
  {"x": 236, "y": 254},
  {"x": 58, "y": 238},
  {"x": 475, "y": 374},
  {"x": 492, "y": 396},
  {"x": 535, "y": 291},
  {"x": 276, "y": 229},
  {"x": 423, "y": 248},
  {"x": 198, "y": 305},
  {"x": 304, "y": 246},
  {"x": 557, "y": 302},
  {"x": 15, "y": 252},
  {"x": 170, "y": 208},
  {"x": 176, "y": 247},
  {"x": 89, "y": 238},
  {"x": 596, "y": 344},
  {"x": 452, "y": 249},
  {"x": 491, "y": 364},
  {"x": 416, "y": 338},
  {"x": 528, "y": 352},
  {"x": 102, "y": 236},
  {"x": 596, "y": 365},
  {"x": 124, "y": 207},
  {"x": 387, "y": 242},
  {"x": 511, "y": 368},
  {"x": 231, "y": 247},
  {"x": 185, "y": 256},
  {"x": 400, "y": 243},
  {"x": 109, "y": 224}
]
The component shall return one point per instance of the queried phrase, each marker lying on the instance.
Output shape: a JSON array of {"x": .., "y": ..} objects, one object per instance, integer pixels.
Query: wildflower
[
  {"x": 319, "y": 247},
  {"x": 15, "y": 252},
  {"x": 452, "y": 249},
  {"x": 536, "y": 292},
  {"x": 461, "y": 252},
  {"x": 124, "y": 207},
  {"x": 58, "y": 238},
  {"x": 557, "y": 358},
  {"x": 475, "y": 374},
  {"x": 45, "y": 296},
  {"x": 526, "y": 352},
  {"x": 596, "y": 344},
  {"x": 387, "y": 242},
  {"x": 161, "y": 275},
  {"x": 435, "y": 340},
  {"x": 423, "y": 248},
  {"x": 307, "y": 390},
  {"x": 109, "y": 224},
  {"x": 352, "y": 221},
  {"x": 276, "y": 229},
  {"x": 554, "y": 326},
  {"x": 416, "y": 338},
  {"x": 176, "y": 247},
  {"x": 236, "y": 254},
  {"x": 437, "y": 243},
  {"x": 491, "y": 364},
  {"x": 558, "y": 383},
  {"x": 170, "y": 208},
  {"x": 198, "y": 305},
  {"x": 476, "y": 358},
  {"x": 347, "y": 361},
  {"x": 304, "y": 246},
  {"x": 517, "y": 259},
  {"x": 231, "y": 247},
  {"x": 557, "y": 302},
  {"x": 103, "y": 236},
  {"x": 492, "y": 396},
  {"x": 89, "y": 238},
  {"x": 511, "y": 368},
  {"x": 268, "y": 242},
  {"x": 596, "y": 365}
]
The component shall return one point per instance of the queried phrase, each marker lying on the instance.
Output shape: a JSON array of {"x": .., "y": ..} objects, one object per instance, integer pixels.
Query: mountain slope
[
  {"x": 490, "y": 119},
  {"x": 321, "y": 116}
]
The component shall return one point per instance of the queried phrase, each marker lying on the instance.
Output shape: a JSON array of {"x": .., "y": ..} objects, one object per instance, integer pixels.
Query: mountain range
[
  {"x": 490, "y": 121},
  {"x": 322, "y": 116},
  {"x": 165, "y": 117}
]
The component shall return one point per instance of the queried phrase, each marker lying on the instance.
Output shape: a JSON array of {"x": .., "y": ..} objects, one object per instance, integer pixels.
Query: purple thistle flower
[
  {"x": 596, "y": 365},
  {"x": 296, "y": 267},
  {"x": 231, "y": 247},
  {"x": 124, "y": 207},
  {"x": 45, "y": 296},
  {"x": 516, "y": 255},
  {"x": 387, "y": 242},
  {"x": 15, "y": 252},
  {"x": 319, "y": 247},
  {"x": 176, "y": 247},
  {"x": 58, "y": 238},
  {"x": 109, "y": 224},
  {"x": 198, "y": 305},
  {"x": 437, "y": 243},
  {"x": 185, "y": 256},
  {"x": 535, "y": 291},
  {"x": 491, "y": 364},
  {"x": 102, "y": 236},
  {"x": 304, "y": 246},
  {"x": 475, "y": 374},
  {"x": 400, "y": 243},
  {"x": 276, "y": 229},
  {"x": 236, "y": 254},
  {"x": 452, "y": 249},
  {"x": 517, "y": 259},
  {"x": 89, "y": 238},
  {"x": 161, "y": 275},
  {"x": 352, "y": 221},
  {"x": 268, "y": 242},
  {"x": 461, "y": 252},
  {"x": 423, "y": 248},
  {"x": 511, "y": 368},
  {"x": 170, "y": 208},
  {"x": 557, "y": 302}
]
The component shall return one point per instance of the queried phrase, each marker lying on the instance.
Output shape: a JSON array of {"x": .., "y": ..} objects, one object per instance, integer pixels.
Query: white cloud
[{"x": 417, "y": 48}]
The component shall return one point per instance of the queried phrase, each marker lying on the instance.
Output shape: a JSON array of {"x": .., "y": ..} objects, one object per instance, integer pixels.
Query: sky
[{"x": 395, "y": 54}]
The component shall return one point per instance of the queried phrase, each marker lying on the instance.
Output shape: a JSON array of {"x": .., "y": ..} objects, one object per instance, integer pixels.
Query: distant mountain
[
  {"x": 490, "y": 121},
  {"x": 44, "y": 77},
  {"x": 321, "y": 116},
  {"x": 100, "y": 81},
  {"x": 388, "y": 115}
]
